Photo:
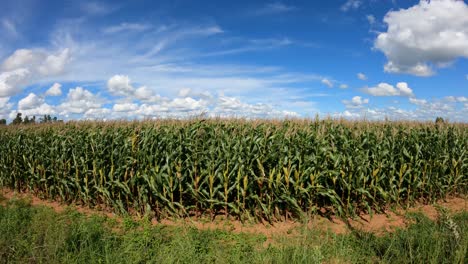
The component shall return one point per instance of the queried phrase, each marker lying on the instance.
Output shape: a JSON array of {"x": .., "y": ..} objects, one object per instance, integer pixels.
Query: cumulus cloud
[
  {"x": 431, "y": 34},
  {"x": 80, "y": 100},
  {"x": 120, "y": 85},
  {"x": 43, "y": 109},
  {"x": 5, "y": 107},
  {"x": 125, "y": 107},
  {"x": 355, "y": 102},
  {"x": 385, "y": 89},
  {"x": 231, "y": 106},
  {"x": 54, "y": 63},
  {"x": 98, "y": 114},
  {"x": 30, "y": 101},
  {"x": 12, "y": 82},
  {"x": 362, "y": 76},
  {"x": 455, "y": 99},
  {"x": 37, "y": 61},
  {"x": 416, "y": 101},
  {"x": 33, "y": 105},
  {"x": 25, "y": 66},
  {"x": 425, "y": 110},
  {"x": 54, "y": 90}
]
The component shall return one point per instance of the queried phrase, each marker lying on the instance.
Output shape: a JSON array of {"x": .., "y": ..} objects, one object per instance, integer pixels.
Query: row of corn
[{"x": 260, "y": 169}]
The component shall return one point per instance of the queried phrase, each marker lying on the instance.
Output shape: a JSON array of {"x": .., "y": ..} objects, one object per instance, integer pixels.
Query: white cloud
[
  {"x": 233, "y": 107},
  {"x": 343, "y": 86},
  {"x": 186, "y": 104},
  {"x": 11, "y": 82},
  {"x": 5, "y": 107},
  {"x": 30, "y": 101},
  {"x": 21, "y": 58},
  {"x": 145, "y": 94},
  {"x": 385, "y": 89},
  {"x": 371, "y": 19},
  {"x": 135, "y": 27},
  {"x": 43, "y": 109},
  {"x": 96, "y": 8},
  {"x": 362, "y": 76},
  {"x": 274, "y": 8},
  {"x": 80, "y": 100},
  {"x": 351, "y": 5},
  {"x": 25, "y": 66},
  {"x": 454, "y": 99},
  {"x": 348, "y": 114},
  {"x": 120, "y": 85},
  {"x": 431, "y": 34},
  {"x": 355, "y": 102},
  {"x": 125, "y": 107},
  {"x": 4, "y": 101},
  {"x": 98, "y": 114},
  {"x": 327, "y": 82},
  {"x": 184, "y": 92},
  {"x": 404, "y": 89},
  {"x": 54, "y": 90},
  {"x": 55, "y": 64},
  {"x": 419, "y": 102},
  {"x": 10, "y": 27},
  {"x": 449, "y": 108}
]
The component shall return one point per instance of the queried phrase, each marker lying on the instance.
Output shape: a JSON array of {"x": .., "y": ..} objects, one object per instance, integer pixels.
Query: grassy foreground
[{"x": 34, "y": 234}]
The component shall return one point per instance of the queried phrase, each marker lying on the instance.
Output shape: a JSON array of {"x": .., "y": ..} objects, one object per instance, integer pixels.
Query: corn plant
[{"x": 264, "y": 169}]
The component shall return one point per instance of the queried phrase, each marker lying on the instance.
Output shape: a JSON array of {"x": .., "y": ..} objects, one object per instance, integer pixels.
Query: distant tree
[
  {"x": 439, "y": 120},
  {"x": 48, "y": 119},
  {"x": 2, "y": 122},
  {"x": 28, "y": 120},
  {"x": 18, "y": 119}
]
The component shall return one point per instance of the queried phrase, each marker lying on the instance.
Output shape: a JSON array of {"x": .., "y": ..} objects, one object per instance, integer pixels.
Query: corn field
[{"x": 245, "y": 169}]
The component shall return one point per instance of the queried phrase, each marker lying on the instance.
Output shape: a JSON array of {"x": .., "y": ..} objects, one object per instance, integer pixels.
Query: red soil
[{"x": 377, "y": 223}]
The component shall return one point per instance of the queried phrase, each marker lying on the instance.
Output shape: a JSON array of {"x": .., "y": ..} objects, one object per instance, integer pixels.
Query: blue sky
[{"x": 270, "y": 59}]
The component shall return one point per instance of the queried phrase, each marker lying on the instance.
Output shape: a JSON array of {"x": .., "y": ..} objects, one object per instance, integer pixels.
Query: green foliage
[
  {"x": 18, "y": 119},
  {"x": 3, "y": 122},
  {"x": 439, "y": 120},
  {"x": 247, "y": 169}
]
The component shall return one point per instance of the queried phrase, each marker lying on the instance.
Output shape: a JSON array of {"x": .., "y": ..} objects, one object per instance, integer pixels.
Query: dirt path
[{"x": 378, "y": 223}]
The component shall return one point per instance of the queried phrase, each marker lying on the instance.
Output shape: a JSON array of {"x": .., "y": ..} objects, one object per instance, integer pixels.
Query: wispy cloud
[
  {"x": 134, "y": 27},
  {"x": 97, "y": 8},
  {"x": 351, "y": 5},
  {"x": 274, "y": 8},
  {"x": 10, "y": 27},
  {"x": 251, "y": 46}
]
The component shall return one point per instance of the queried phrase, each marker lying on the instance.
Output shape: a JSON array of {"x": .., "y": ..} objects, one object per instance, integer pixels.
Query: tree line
[{"x": 27, "y": 120}]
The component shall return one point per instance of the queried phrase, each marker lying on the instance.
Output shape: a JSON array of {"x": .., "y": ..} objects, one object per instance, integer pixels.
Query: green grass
[{"x": 34, "y": 234}]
